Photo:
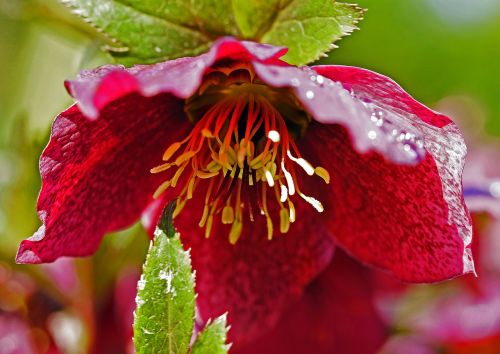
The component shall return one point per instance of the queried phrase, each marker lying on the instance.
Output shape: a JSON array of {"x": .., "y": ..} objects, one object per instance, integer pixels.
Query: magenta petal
[
  {"x": 93, "y": 89},
  {"x": 254, "y": 279},
  {"x": 410, "y": 220},
  {"x": 336, "y": 314},
  {"x": 95, "y": 174}
]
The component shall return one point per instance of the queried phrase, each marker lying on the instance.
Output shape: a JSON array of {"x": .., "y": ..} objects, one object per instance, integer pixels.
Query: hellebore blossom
[{"x": 272, "y": 166}]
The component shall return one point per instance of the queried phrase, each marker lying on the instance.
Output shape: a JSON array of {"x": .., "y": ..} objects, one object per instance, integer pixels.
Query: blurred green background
[{"x": 445, "y": 52}]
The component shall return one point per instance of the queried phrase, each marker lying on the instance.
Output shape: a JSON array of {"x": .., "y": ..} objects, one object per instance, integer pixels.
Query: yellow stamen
[
  {"x": 227, "y": 215},
  {"x": 321, "y": 172},
  {"x": 284, "y": 221},
  {"x": 269, "y": 178},
  {"x": 235, "y": 232},
  {"x": 302, "y": 163},
  {"x": 162, "y": 188},
  {"x": 284, "y": 193},
  {"x": 240, "y": 142},
  {"x": 289, "y": 179},
  {"x": 314, "y": 202},
  {"x": 172, "y": 149}
]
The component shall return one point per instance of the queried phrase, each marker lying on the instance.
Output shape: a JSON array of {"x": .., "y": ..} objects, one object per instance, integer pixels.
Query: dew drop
[
  {"x": 309, "y": 94},
  {"x": 372, "y": 134},
  {"x": 295, "y": 82},
  {"x": 495, "y": 189},
  {"x": 320, "y": 79}
]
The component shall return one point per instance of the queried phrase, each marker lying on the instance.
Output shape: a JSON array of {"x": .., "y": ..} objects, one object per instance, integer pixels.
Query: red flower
[{"x": 277, "y": 164}]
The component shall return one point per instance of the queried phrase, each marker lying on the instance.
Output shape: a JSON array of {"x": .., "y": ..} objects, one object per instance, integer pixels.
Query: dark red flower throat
[{"x": 242, "y": 144}]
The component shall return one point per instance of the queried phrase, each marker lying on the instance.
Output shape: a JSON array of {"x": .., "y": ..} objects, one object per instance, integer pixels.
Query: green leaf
[
  {"x": 254, "y": 17},
  {"x": 165, "y": 300},
  {"x": 212, "y": 340},
  {"x": 309, "y": 28},
  {"x": 148, "y": 31}
]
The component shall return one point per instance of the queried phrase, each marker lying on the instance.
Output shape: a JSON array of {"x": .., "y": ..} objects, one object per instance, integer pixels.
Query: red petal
[
  {"x": 95, "y": 174},
  {"x": 256, "y": 278},
  {"x": 336, "y": 314},
  {"x": 410, "y": 220},
  {"x": 93, "y": 89},
  {"x": 381, "y": 90}
]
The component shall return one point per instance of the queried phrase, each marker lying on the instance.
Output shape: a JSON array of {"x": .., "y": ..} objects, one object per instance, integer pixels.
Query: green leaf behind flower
[
  {"x": 165, "y": 301},
  {"x": 309, "y": 28},
  {"x": 149, "y": 31}
]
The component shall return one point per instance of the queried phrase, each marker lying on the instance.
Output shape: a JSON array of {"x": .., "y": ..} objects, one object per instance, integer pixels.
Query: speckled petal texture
[
  {"x": 392, "y": 216},
  {"x": 336, "y": 314},
  {"x": 256, "y": 278},
  {"x": 95, "y": 175}
]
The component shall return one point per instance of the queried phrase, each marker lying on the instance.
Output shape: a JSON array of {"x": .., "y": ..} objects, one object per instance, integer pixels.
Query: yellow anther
[
  {"x": 172, "y": 149},
  {"x": 204, "y": 216},
  {"x": 227, "y": 215},
  {"x": 235, "y": 232},
  {"x": 321, "y": 172},
  {"x": 208, "y": 228},
  {"x": 204, "y": 175},
  {"x": 302, "y": 163},
  {"x": 184, "y": 157},
  {"x": 269, "y": 178},
  {"x": 213, "y": 166},
  {"x": 291, "y": 208},
  {"x": 284, "y": 193},
  {"x": 206, "y": 133},
  {"x": 177, "y": 175},
  {"x": 284, "y": 221},
  {"x": 269, "y": 228},
  {"x": 314, "y": 202},
  {"x": 241, "y": 156},
  {"x": 250, "y": 149},
  {"x": 256, "y": 163},
  {"x": 178, "y": 208},
  {"x": 160, "y": 168},
  {"x": 190, "y": 188},
  {"x": 162, "y": 188},
  {"x": 289, "y": 179}
]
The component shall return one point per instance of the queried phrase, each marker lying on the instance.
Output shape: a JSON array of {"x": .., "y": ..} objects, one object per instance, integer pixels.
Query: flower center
[{"x": 242, "y": 145}]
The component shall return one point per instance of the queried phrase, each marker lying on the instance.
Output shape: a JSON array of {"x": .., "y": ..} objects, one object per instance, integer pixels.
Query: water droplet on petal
[
  {"x": 495, "y": 189},
  {"x": 372, "y": 134},
  {"x": 309, "y": 94},
  {"x": 320, "y": 79},
  {"x": 295, "y": 82}
]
